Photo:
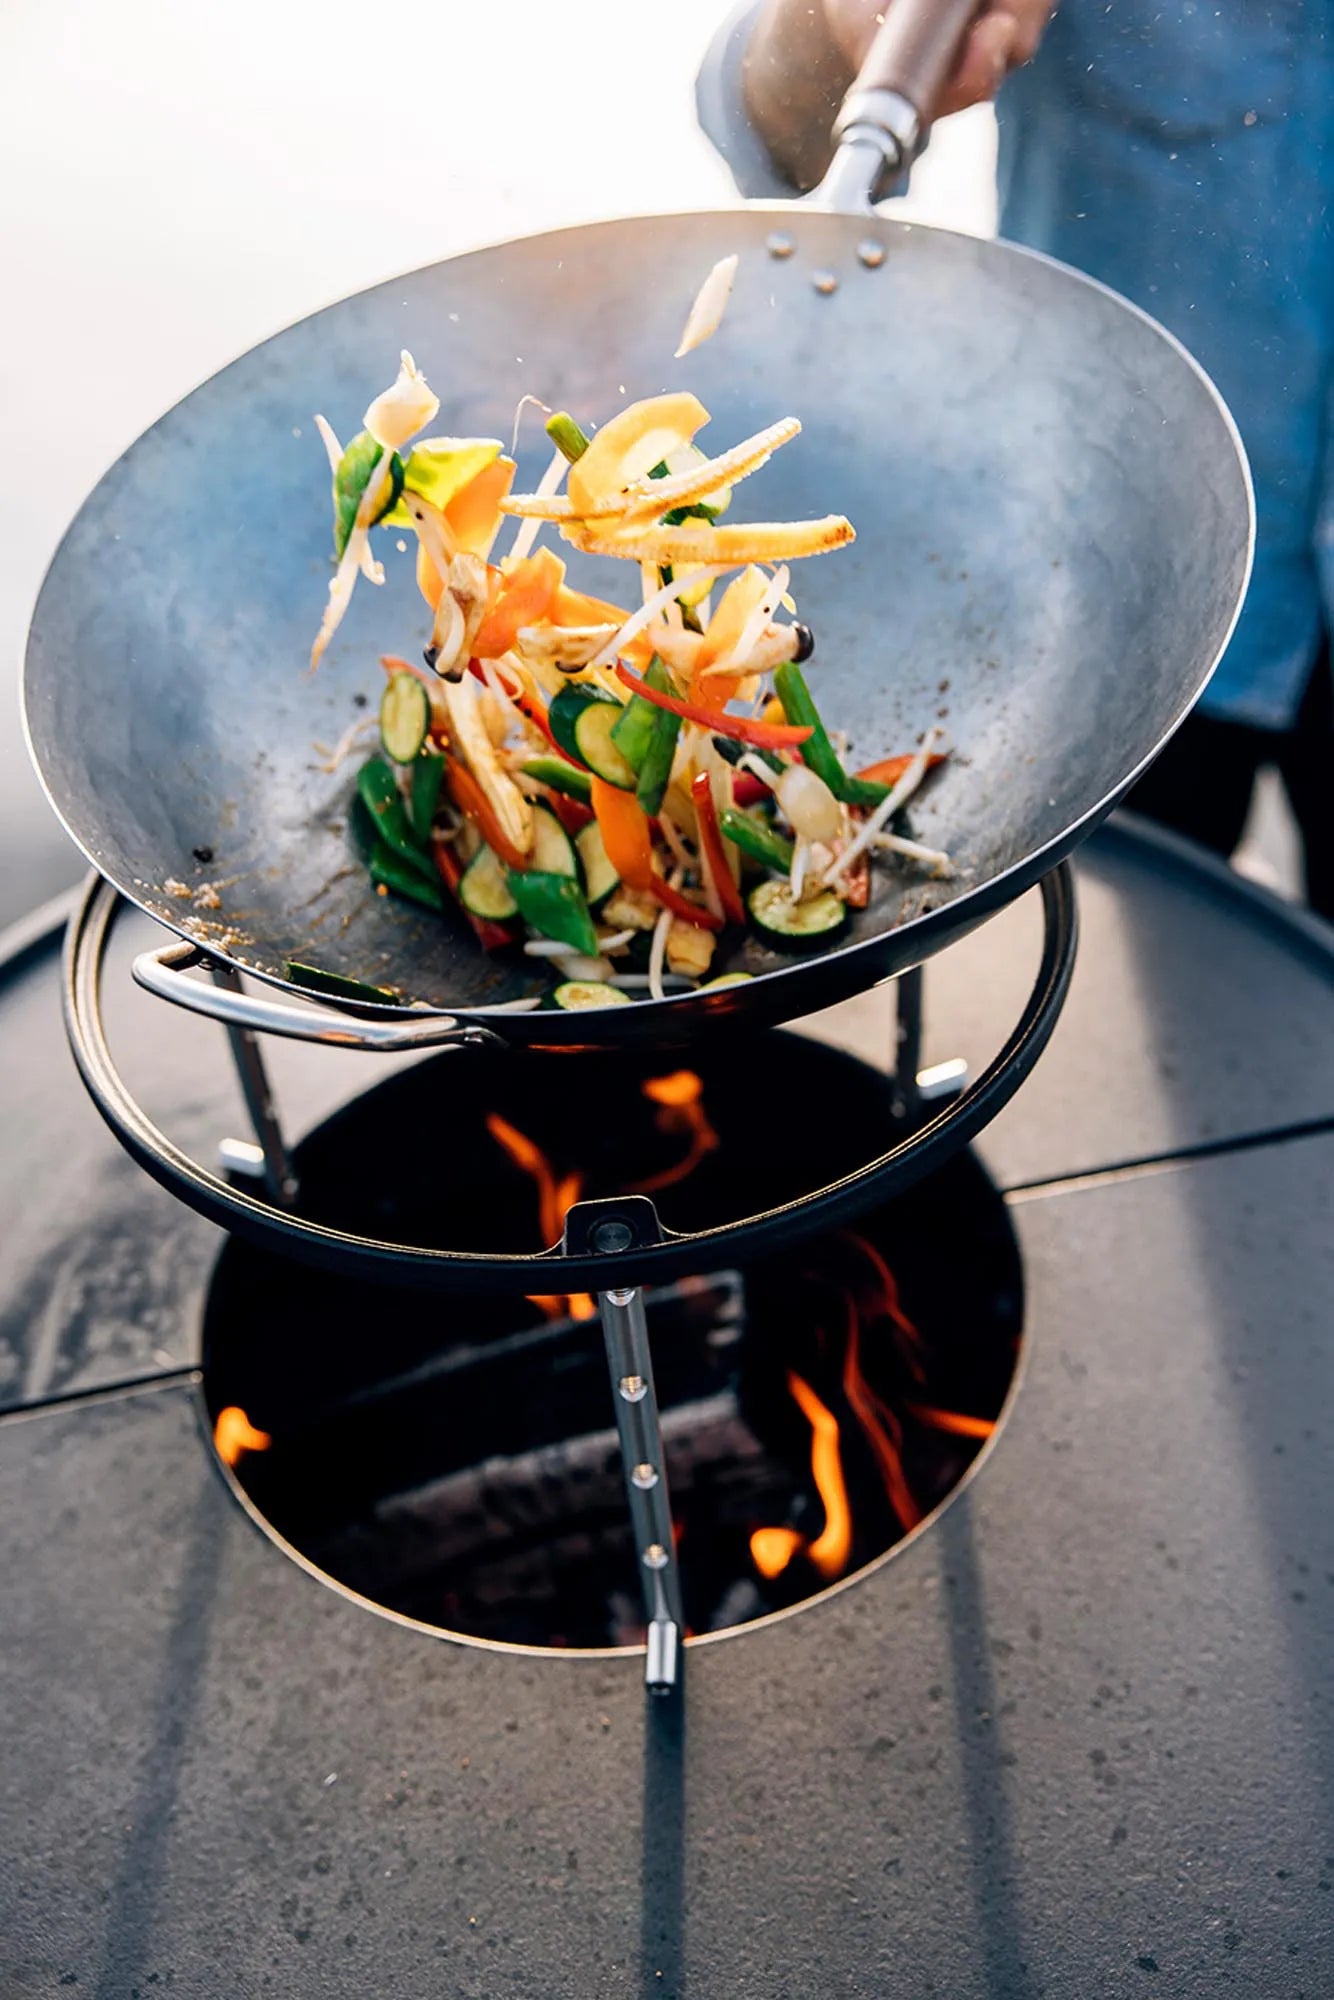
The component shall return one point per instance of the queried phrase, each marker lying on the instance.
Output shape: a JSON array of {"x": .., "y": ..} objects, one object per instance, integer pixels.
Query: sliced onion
[
  {"x": 706, "y": 314},
  {"x": 809, "y": 806}
]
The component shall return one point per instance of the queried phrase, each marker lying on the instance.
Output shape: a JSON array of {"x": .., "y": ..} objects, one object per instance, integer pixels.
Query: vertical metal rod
[
  {"x": 907, "y": 1043},
  {"x": 279, "y": 1179},
  {"x": 630, "y": 1364}
]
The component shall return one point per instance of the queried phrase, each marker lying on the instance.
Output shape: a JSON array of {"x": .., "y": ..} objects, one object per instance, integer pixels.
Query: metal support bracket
[
  {"x": 918, "y": 1090},
  {"x": 609, "y": 1228}
]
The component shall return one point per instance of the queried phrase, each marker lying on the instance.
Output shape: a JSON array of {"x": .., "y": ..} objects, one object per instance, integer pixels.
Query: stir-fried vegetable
[{"x": 585, "y": 778}]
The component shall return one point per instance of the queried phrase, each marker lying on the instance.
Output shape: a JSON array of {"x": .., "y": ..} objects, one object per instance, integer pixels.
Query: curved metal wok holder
[{"x": 612, "y": 1247}]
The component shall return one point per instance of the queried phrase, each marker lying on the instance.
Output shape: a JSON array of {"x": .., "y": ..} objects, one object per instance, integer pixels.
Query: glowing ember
[
  {"x": 681, "y": 1097},
  {"x": 831, "y": 1548},
  {"x": 234, "y": 1435},
  {"x": 772, "y": 1549}
]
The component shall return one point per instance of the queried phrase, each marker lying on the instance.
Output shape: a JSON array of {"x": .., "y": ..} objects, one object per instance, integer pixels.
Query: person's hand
[{"x": 1004, "y": 37}]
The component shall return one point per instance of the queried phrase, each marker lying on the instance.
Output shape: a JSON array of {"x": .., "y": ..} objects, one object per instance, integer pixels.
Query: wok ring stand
[{"x": 612, "y": 1247}]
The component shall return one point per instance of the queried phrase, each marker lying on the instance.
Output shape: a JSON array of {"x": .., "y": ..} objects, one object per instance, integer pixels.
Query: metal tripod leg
[
  {"x": 270, "y": 1160},
  {"x": 915, "y": 1088},
  {"x": 630, "y": 1364}
]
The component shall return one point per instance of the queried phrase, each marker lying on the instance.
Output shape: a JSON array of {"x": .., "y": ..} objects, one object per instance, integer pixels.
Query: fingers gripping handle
[{"x": 891, "y": 103}]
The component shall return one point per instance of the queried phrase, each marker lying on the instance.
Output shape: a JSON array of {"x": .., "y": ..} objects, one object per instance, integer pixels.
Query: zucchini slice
[
  {"x": 405, "y": 717},
  {"x": 553, "y": 850},
  {"x": 582, "y": 720},
  {"x": 576, "y": 994},
  {"x": 796, "y": 926},
  {"x": 726, "y": 979},
  {"x": 600, "y": 878},
  {"x": 484, "y": 890},
  {"x": 561, "y": 777}
]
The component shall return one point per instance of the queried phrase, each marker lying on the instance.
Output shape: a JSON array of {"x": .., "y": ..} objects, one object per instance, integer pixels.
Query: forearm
[{"x": 793, "y": 81}]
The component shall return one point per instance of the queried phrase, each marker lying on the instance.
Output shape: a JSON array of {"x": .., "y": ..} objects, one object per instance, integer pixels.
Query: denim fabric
[{"x": 1182, "y": 151}]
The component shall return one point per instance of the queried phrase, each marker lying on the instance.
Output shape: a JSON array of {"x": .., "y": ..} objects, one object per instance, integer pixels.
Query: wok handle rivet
[
  {"x": 779, "y": 244},
  {"x": 870, "y": 253},
  {"x": 825, "y": 283}
]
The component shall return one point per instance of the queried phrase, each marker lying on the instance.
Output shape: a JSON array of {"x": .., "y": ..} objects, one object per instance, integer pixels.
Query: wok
[{"x": 1054, "y": 532}]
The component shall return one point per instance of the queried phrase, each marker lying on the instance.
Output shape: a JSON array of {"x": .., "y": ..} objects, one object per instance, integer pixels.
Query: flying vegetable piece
[
  {"x": 706, "y": 314},
  {"x": 722, "y": 547},
  {"x": 630, "y": 445}
]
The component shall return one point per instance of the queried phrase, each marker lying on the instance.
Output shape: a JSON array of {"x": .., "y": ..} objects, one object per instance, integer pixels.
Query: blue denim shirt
[{"x": 1182, "y": 151}]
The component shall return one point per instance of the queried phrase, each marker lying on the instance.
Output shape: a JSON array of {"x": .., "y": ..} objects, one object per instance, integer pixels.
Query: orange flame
[
  {"x": 681, "y": 1096},
  {"x": 772, "y": 1549},
  {"x": 833, "y": 1545},
  {"x": 554, "y": 1198},
  {"x": 951, "y": 1420},
  {"x": 886, "y": 1299},
  {"x": 234, "y": 1435},
  {"x": 883, "y": 1431}
]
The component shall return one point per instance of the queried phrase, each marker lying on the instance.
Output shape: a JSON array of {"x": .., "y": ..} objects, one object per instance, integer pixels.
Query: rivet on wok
[
  {"x": 825, "y": 282},
  {"x": 778, "y": 244},
  {"x": 655, "y": 1556},
  {"x": 870, "y": 253}
]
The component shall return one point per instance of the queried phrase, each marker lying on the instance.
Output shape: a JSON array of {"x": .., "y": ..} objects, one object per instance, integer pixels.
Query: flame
[
  {"x": 833, "y": 1545},
  {"x": 883, "y": 1431},
  {"x": 772, "y": 1549},
  {"x": 234, "y": 1435},
  {"x": 681, "y": 1097},
  {"x": 555, "y": 1197},
  {"x": 886, "y": 1299},
  {"x": 951, "y": 1420}
]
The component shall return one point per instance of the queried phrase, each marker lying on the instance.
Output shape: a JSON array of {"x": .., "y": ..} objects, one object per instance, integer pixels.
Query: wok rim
[{"x": 833, "y": 972}]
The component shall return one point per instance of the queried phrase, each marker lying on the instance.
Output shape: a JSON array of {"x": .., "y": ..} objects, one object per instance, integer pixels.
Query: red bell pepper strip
[
  {"x": 764, "y": 735},
  {"x": 573, "y": 814},
  {"x": 492, "y": 937},
  {"x": 682, "y": 907},
  {"x": 625, "y": 833},
  {"x": 711, "y": 846},
  {"x": 472, "y": 802},
  {"x": 748, "y": 790}
]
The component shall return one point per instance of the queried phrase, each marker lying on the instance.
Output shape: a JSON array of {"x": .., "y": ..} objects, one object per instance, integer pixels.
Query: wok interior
[{"x": 1053, "y": 534}]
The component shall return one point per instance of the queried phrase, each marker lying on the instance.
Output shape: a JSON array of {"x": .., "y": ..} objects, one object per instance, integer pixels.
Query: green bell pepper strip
[
  {"x": 355, "y": 468},
  {"x": 656, "y": 770},
  {"x": 761, "y": 843},
  {"x": 378, "y": 790},
  {"x": 390, "y": 870},
  {"x": 428, "y": 775},
  {"x": 555, "y": 906},
  {"x": 817, "y": 752},
  {"x": 561, "y": 777}
]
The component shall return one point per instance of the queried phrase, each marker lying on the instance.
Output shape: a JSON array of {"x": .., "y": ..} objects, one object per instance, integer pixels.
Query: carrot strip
[
  {"x": 472, "y": 802},
  {"x": 625, "y": 833}
]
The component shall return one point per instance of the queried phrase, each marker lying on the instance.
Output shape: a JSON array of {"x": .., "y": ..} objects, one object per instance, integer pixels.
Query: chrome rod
[
  {"x": 907, "y": 1043},
  {"x": 639, "y": 1426},
  {"x": 279, "y": 1178}
]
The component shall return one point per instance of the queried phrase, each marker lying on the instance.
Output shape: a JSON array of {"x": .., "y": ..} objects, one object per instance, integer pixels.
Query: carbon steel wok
[{"x": 1054, "y": 530}]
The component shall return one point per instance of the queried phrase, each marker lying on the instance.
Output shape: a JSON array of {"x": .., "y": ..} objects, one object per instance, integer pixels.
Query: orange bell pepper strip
[
  {"x": 525, "y": 598},
  {"x": 626, "y": 834},
  {"x": 724, "y": 629},
  {"x": 890, "y": 769},
  {"x": 763, "y": 735},
  {"x": 474, "y": 512},
  {"x": 472, "y": 802},
  {"x": 711, "y": 846}
]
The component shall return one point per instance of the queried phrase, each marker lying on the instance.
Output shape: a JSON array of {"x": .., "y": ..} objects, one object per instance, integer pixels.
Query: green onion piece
[
  {"x": 355, "y": 468},
  {"x": 566, "y": 435},
  {"x": 817, "y": 752}
]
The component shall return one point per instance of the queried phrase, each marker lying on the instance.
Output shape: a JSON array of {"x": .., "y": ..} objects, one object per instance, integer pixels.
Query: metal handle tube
[
  {"x": 884, "y": 118},
  {"x": 253, "y": 1077},
  {"x": 639, "y": 1427},
  {"x": 164, "y": 972}
]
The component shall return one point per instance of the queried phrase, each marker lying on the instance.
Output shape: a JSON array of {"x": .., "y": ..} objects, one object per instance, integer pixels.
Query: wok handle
[
  {"x": 884, "y": 118},
  {"x": 164, "y": 972}
]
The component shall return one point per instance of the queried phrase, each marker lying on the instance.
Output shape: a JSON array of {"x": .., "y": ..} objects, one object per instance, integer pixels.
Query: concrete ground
[{"x": 177, "y": 182}]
